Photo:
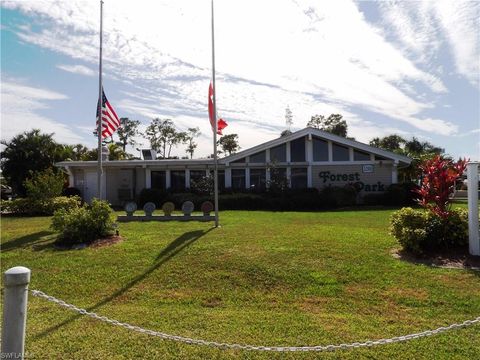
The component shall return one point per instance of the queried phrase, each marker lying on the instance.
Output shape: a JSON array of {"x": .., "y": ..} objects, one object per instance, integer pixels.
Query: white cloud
[
  {"x": 315, "y": 57},
  {"x": 21, "y": 107},
  {"x": 77, "y": 69}
]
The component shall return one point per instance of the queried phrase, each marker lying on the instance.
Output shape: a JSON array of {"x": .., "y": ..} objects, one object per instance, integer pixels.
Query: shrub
[
  {"x": 44, "y": 185},
  {"x": 420, "y": 231},
  {"x": 84, "y": 224},
  {"x": 157, "y": 196},
  {"x": 32, "y": 206},
  {"x": 340, "y": 196}
]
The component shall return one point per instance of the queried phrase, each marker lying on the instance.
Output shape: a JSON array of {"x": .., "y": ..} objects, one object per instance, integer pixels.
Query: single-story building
[{"x": 307, "y": 158}]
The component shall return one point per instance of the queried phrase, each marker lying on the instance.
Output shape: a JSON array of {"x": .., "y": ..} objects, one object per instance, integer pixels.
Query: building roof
[{"x": 403, "y": 160}]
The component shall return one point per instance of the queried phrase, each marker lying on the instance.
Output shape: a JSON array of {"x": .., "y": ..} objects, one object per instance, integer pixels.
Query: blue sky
[{"x": 410, "y": 68}]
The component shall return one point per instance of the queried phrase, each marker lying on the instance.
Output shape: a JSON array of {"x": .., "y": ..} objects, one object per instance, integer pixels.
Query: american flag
[{"x": 110, "y": 121}]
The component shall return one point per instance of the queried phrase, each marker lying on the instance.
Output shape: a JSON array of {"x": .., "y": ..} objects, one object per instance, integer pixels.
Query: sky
[{"x": 392, "y": 67}]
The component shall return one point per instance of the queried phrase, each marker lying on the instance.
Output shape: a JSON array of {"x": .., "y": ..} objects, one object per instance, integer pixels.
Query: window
[
  {"x": 279, "y": 153},
  {"x": 340, "y": 153},
  {"x": 258, "y": 157},
  {"x": 196, "y": 175},
  {"x": 297, "y": 150},
  {"x": 221, "y": 178},
  {"x": 299, "y": 178},
  {"x": 278, "y": 178},
  {"x": 320, "y": 150},
  {"x": 242, "y": 160},
  {"x": 381, "y": 158},
  {"x": 158, "y": 180},
  {"x": 257, "y": 179},
  {"x": 177, "y": 180},
  {"x": 238, "y": 179},
  {"x": 360, "y": 156}
]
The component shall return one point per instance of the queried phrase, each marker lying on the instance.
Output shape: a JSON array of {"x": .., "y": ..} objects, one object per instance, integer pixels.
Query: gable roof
[{"x": 323, "y": 135}]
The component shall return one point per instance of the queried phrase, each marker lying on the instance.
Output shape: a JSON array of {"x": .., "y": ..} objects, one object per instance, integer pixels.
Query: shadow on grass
[
  {"x": 38, "y": 239},
  {"x": 165, "y": 255}
]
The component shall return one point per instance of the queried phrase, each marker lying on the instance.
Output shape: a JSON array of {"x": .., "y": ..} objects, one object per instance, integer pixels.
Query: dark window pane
[
  {"x": 196, "y": 175},
  {"x": 278, "y": 153},
  {"x": 221, "y": 178},
  {"x": 177, "y": 180},
  {"x": 320, "y": 150},
  {"x": 360, "y": 156},
  {"x": 242, "y": 160},
  {"x": 258, "y": 157},
  {"x": 297, "y": 150},
  {"x": 299, "y": 178},
  {"x": 340, "y": 153},
  {"x": 158, "y": 180},
  {"x": 377, "y": 157},
  {"x": 238, "y": 179},
  {"x": 257, "y": 179}
]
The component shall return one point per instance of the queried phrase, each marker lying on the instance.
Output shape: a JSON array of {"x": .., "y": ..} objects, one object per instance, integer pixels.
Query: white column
[
  {"x": 289, "y": 157},
  {"x": 309, "y": 150},
  {"x": 330, "y": 152},
  {"x": 247, "y": 178},
  {"x": 473, "y": 230},
  {"x": 289, "y": 176},
  {"x": 148, "y": 178},
  {"x": 267, "y": 156},
  {"x": 350, "y": 154},
  {"x": 187, "y": 178},
  {"x": 15, "y": 294},
  {"x": 228, "y": 178},
  {"x": 168, "y": 182},
  {"x": 395, "y": 172}
]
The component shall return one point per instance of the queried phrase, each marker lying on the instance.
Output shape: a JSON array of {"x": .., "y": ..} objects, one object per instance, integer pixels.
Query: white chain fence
[{"x": 187, "y": 340}]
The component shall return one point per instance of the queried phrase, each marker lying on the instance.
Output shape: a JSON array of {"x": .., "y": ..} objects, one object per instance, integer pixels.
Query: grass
[{"x": 265, "y": 278}]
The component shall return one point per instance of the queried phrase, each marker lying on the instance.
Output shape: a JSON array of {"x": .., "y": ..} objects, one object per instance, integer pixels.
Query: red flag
[
  {"x": 221, "y": 124},
  {"x": 211, "y": 115}
]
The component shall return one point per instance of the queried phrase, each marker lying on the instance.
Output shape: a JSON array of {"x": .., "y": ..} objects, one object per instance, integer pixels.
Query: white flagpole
[
  {"x": 99, "y": 110},
  {"x": 215, "y": 158}
]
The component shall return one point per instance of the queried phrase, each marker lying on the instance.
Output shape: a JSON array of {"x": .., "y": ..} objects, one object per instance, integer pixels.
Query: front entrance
[{"x": 90, "y": 187}]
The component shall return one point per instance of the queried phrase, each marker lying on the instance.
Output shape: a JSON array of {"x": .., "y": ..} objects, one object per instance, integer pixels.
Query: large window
[
  {"x": 257, "y": 179},
  {"x": 258, "y": 157},
  {"x": 297, "y": 150},
  {"x": 158, "y": 180},
  {"x": 299, "y": 178},
  {"x": 196, "y": 175},
  {"x": 278, "y": 178},
  {"x": 340, "y": 153},
  {"x": 360, "y": 156},
  {"x": 177, "y": 180},
  {"x": 278, "y": 153},
  {"x": 320, "y": 150},
  {"x": 221, "y": 178},
  {"x": 238, "y": 179}
]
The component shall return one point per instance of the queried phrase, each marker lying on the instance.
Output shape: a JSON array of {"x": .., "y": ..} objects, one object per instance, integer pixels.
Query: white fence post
[
  {"x": 16, "y": 282},
  {"x": 473, "y": 230}
]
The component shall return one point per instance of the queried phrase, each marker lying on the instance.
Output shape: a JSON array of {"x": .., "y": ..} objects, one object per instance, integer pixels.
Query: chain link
[{"x": 191, "y": 341}]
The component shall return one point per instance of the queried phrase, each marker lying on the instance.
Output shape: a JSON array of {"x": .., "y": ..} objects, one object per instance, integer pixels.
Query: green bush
[
  {"x": 339, "y": 196},
  {"x": 420, "y": 231},
  {"x": 45, "y": 185},
  {"x": 84, "y": 224},
  {"x": 31, "y": 206},
  {"x": 157, "y": 196}
]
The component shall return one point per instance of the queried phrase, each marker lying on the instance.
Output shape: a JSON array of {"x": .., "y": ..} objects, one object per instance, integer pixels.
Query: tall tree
[
  {"x": 29, "y": 152},
  {"x": 392, "y": 143},
  {"x": 333, "y": 124},
  {"x": 229, "y": 143},
  {"x": 191, "y": 134},
  {"x": 127, "y": 131},
  {"x": 163, "y": 135}
]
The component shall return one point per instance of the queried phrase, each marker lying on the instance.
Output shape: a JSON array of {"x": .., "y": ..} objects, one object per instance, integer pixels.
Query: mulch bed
[
  {"x": 109, "y": 240},
  {"x": 451, "y": 259}
]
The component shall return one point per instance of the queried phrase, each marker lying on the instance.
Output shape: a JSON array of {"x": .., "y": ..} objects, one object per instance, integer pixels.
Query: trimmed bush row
[
  {"x": 308, "y": 199},
  {"x": 32, "y": 207}
]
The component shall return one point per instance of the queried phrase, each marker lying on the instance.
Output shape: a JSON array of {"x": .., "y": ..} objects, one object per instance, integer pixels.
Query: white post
[
  {"x": 473, "y": 230},
  {"x": 16, "y": 282}
]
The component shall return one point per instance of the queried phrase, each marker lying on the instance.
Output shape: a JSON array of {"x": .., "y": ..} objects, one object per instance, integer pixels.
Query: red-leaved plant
[{"x": 438, "y": 183}]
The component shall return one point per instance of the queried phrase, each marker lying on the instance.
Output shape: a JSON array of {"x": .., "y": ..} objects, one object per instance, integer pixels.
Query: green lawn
[{"x": 263, "y": 278}]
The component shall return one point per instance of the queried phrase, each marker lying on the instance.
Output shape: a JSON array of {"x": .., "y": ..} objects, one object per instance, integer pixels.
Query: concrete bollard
[{"x": 16, "y": 282}]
